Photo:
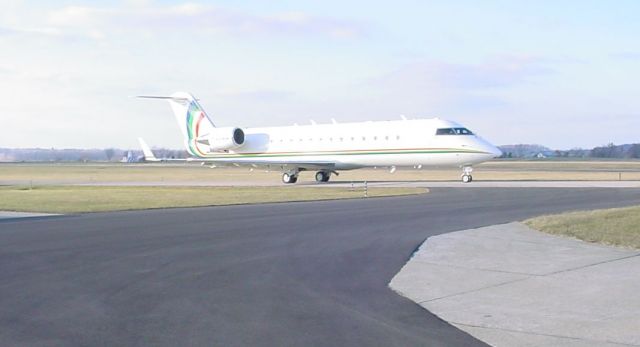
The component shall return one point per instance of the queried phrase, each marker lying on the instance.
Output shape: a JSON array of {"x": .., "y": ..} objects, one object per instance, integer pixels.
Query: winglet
[{"x": 148, "y": 155}]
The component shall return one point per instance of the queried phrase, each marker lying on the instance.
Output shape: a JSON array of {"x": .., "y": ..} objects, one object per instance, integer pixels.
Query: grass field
[
  {"x": 76, "y": 199},
  {"x": 617, "y": 227},
  {"x": 57, "y": 186},
  {"x": 57, "y": 174}
]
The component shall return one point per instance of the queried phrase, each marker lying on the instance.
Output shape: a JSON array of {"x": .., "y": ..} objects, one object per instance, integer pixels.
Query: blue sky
[{"x": 562, "y": 74}]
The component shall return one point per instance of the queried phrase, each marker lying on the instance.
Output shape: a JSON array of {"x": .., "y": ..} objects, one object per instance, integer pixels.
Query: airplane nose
[{"x": 491, "y": 150}]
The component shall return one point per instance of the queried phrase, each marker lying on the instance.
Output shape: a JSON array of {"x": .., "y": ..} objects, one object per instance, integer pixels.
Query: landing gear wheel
[
  {"x": 288, "y": 178},
  {"x": 466, "y": 174},
  {"x": 322, "y": 176}
]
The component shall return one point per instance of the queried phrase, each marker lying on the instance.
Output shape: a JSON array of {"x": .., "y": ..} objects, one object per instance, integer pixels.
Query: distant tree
[
  {"x": 634, "y": 151},
  {"x": 109, "y": 152},
  {"x": 608, "y": 151},
  {"x": 579, "y": 153}
]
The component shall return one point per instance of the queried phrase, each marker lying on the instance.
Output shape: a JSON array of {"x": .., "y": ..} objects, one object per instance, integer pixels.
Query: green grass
[
  {"x": 77, "y": 199},
  {"x": 617, "y": 227}
]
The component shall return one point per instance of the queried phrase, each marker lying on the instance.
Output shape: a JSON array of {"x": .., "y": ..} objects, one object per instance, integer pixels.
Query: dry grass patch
[
  {"x": 75, "y": 199},
  {"x": 110, "y": 173},
  {"x": 617, "y": 227}
]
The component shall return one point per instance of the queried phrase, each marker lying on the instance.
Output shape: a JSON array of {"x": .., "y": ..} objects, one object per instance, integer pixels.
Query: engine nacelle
[{"x": 223, "y": 139}]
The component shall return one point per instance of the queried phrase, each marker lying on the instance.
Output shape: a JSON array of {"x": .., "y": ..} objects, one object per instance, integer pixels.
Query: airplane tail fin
[
  {"x": 146, "y": 151},
  {"x": 192, "y": 119}
]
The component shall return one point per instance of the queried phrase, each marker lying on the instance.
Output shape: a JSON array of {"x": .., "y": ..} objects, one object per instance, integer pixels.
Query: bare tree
[
  {"x": 634, "y": 151},
  {"x": 109, "y": 153}
]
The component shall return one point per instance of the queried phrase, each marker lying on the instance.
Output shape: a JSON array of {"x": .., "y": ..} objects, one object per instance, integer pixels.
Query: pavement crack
[
  {"x": 474, "y": 290},
  {"x": 593, "y": 264},
  {"x": 481, "y": 269},
  {"x": 543, "y": 334}
]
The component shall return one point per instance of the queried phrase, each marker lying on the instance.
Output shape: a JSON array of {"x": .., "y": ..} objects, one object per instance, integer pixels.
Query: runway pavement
[{"x": 268, "y": 275}]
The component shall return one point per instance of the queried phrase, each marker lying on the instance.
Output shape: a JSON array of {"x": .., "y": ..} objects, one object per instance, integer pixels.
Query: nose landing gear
[{"x": 466, "y": 174}]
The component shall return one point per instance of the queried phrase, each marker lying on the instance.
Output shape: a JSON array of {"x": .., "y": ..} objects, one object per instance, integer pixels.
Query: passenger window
[{"x": 445, "y": 131}]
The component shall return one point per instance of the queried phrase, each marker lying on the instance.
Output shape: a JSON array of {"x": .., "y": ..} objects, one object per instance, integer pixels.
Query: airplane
[{"x": 327, "y": 148}]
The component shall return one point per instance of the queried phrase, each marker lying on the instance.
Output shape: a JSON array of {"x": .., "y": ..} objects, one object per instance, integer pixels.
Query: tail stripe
[{"x": 193, "y": 128}]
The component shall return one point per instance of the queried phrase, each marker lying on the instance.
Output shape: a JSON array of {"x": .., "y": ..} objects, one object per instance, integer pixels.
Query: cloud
[
  {"x": 6, "y": 31},
  {"x": 98, "y": 23},
  {"x": 256, "y": 95},
  {"x": 429, "y": 88},
  {"x": 496, "y": 73},
  {"x": 630, "y": 56},
  {"x": 38, "y": 31}
]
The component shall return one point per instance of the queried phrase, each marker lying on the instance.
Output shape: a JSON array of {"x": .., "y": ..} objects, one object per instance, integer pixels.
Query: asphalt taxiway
[{"x": 312, "y": 273}]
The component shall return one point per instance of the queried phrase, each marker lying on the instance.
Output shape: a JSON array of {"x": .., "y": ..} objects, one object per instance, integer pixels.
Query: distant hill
[
  {"x": 631, "y": 151},
  {"x": 81, "y": 155},
  {"x": 626, "y": 151},
  {"x": 523, "y": 150}
]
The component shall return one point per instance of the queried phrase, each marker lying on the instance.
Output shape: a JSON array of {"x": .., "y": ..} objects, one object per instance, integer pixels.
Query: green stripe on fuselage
[{"x": 315, "y": 154}]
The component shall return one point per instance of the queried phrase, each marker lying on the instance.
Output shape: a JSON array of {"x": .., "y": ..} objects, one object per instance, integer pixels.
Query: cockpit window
[{"x": 453, "y": 131}]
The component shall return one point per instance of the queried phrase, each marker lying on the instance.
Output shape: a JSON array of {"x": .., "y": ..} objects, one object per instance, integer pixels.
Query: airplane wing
[{"x": 269, "y": 164}]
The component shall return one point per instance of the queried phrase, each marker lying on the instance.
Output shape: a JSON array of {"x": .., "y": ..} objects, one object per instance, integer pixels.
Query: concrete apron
[
  {"x": 13, "y": 215},
  {"x": 509, "y": 285}
]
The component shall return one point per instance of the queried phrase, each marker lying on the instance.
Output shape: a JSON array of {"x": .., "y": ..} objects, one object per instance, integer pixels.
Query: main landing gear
[
  {"x": 289, "y": 177},
  {"x": 466, "y": 174},
  {"x": 323, "y": 176}
]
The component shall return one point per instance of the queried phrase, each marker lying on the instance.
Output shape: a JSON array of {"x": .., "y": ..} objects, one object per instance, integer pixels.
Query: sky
[{"x": 563, "y": 74}]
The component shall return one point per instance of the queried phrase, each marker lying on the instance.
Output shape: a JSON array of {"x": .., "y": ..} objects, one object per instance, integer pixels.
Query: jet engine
[{"x": 223, "y": 139}]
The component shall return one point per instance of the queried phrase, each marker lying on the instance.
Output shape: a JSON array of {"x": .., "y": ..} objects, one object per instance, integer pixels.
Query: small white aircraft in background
[{"x": 328, "y": 148}]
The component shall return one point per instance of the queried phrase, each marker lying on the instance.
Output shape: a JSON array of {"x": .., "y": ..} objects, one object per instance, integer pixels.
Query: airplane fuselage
[{"x": 356, "y": 145}]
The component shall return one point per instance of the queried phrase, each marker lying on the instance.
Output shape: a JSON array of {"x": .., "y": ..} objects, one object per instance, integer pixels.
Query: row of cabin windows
[{"x": 340, "y": 139}]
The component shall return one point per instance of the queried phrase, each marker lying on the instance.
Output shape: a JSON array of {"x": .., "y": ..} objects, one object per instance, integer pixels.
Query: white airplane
[{"x": 328, "y": 148}]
